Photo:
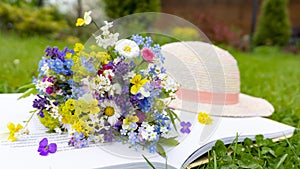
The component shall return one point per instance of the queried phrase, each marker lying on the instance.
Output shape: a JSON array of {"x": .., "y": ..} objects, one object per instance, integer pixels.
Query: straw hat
[{"x": 210, "y": 81}]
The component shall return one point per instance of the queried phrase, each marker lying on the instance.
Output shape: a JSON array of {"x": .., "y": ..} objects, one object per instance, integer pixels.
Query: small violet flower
[
  {"x": 185, "y": 127},
  {"x": 45, "y": 148}
]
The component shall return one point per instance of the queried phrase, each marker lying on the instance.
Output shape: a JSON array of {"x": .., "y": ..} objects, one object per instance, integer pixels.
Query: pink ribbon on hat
[{"x": 207, "y": 97}]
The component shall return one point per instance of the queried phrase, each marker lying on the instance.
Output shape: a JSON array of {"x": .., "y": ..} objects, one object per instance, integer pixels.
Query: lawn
[
  {"x": 19, "y": 59},
  {"x": 267, "y": 72}
]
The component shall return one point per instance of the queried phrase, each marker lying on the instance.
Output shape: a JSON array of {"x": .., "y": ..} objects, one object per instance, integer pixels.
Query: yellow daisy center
[
  {"x": 127, "y": 48},
  {"x": 109, "y": 111}
]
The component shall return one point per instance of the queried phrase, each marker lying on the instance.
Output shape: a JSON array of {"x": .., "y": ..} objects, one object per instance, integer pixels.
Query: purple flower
[
  {"x": 40, "y": 102},
  {"x": 41, "y": 114},
  {"x": 49, "y": 90},
  {"x": 142, "y": 116},
  {"x": 185, "y": 127},
  {"x": 44, "y": 148}
]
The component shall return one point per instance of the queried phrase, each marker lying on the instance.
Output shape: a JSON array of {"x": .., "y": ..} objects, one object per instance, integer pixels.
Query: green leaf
[
  {"x": 215, "y": 159},
  {"x": 27, "y": 86},
  {"x": 249, "y": 165},
  {"x": 231, "y": 166},
  {"x": 161, "y": 150},
  {"x": 28, "y": 93},
  {"x": 282, "y": 159},
  {"x": 259, "y": 139},
  {"x": 169, "y": 141},
  {"x": 220, "y": 148},
  {"x": 248, "y": 142},
  {"x": 265, "y": 150},
  {"x": 173, "y": 117},
  {"x": 150, "y": 164}
]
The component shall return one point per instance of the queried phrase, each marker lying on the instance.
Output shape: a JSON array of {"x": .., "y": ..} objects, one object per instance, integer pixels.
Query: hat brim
[{"x": 248, "y": 106}]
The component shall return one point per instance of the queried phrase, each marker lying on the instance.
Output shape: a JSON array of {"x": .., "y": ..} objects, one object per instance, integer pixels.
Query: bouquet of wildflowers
[{"x": 116, "y": 90}]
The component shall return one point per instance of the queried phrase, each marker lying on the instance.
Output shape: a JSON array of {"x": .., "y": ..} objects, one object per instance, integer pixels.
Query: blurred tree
[
  {"x": 274, "y": 25},
  {"x": 40, "y": 3},
  {"x": 118, "y": 8}
]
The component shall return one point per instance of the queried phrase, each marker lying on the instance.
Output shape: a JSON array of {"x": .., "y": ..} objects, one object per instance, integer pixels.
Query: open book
[{"x": 23, "y": 153}]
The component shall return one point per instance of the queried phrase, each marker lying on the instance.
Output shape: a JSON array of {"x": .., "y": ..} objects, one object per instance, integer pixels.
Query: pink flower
[{"x": 148, "y": 55}]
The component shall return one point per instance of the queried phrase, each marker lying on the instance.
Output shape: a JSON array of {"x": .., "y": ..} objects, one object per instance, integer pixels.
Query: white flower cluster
[
  {"x": 101, "y": 83},
  {"x": 169, "y": 83},
  {"x": 43, "y": 85},
  {"x": 107, "y": 38}
]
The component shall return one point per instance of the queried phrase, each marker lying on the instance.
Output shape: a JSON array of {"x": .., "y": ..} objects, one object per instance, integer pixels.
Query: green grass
[
  {"x": 28, "y": 51},
  {"x": 275, "y": 76}
]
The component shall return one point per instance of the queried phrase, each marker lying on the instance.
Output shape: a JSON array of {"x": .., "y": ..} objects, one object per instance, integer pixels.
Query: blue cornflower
[
  {"x": 152, "y": 70},
  {"x": 131, "y": 64},
  {"x": 68, "y": 63},
  {"x": 145, "y": 104},
  {"x": 161, "y": 119},
  {"x": 163, "y": 70},
  {"x": 132, "y": 137},
  {"x": 148, "y": 41},
  {"x": 133, "y": 126},
  {"x": 84, "y": 143},
  {"x": 139, "y": 40},
  {"x": 78, "y": 135},
  {"x": 81, "y": 143},
  {"x": 51, "y": 63},
  {"x": 152, "y": 148},
  {"x": 89, "y": 66},
  {"x": 71, "y": 82},
  {"x": 157, "y": 48},
  {"x": 123, "y": 132},
  {"x": 77, "y": 92},
  {"x": 58, "y": 64}
]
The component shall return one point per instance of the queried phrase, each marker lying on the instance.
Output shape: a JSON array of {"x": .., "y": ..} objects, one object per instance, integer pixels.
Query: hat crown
[{"x": 204, "y": 69}]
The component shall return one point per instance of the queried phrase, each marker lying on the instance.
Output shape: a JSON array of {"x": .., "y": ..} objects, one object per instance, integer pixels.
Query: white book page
[{"x": 23, "y": 153}]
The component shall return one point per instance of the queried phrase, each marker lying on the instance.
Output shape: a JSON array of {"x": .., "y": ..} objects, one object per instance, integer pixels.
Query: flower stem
[
  {"x": 95, "y": 24},
  {"x": 33, "y": 112}
]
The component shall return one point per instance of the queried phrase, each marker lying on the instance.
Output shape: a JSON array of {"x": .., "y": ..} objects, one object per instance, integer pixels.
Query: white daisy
[
  {"x": 127, "y": 48},
  {"x": 111, "y": 111}
]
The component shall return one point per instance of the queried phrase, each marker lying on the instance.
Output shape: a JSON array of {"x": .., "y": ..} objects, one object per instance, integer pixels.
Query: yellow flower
[
  {"x": 68, "y": 56},
  {"x": 80, "y": 22},
  {"x": 204, "y": 118},
  {"x": 78, "y": 47},
  {"x": 87, "y": 19},
  {"x": 93, "y": 107},
  {"x": 137, "y": 83},
  {"x": 82, "y": 127},
  {"x": 131, "y": 119},
  {"x": 86, "y": 106},
  {"x": 12, "y": 130}
]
